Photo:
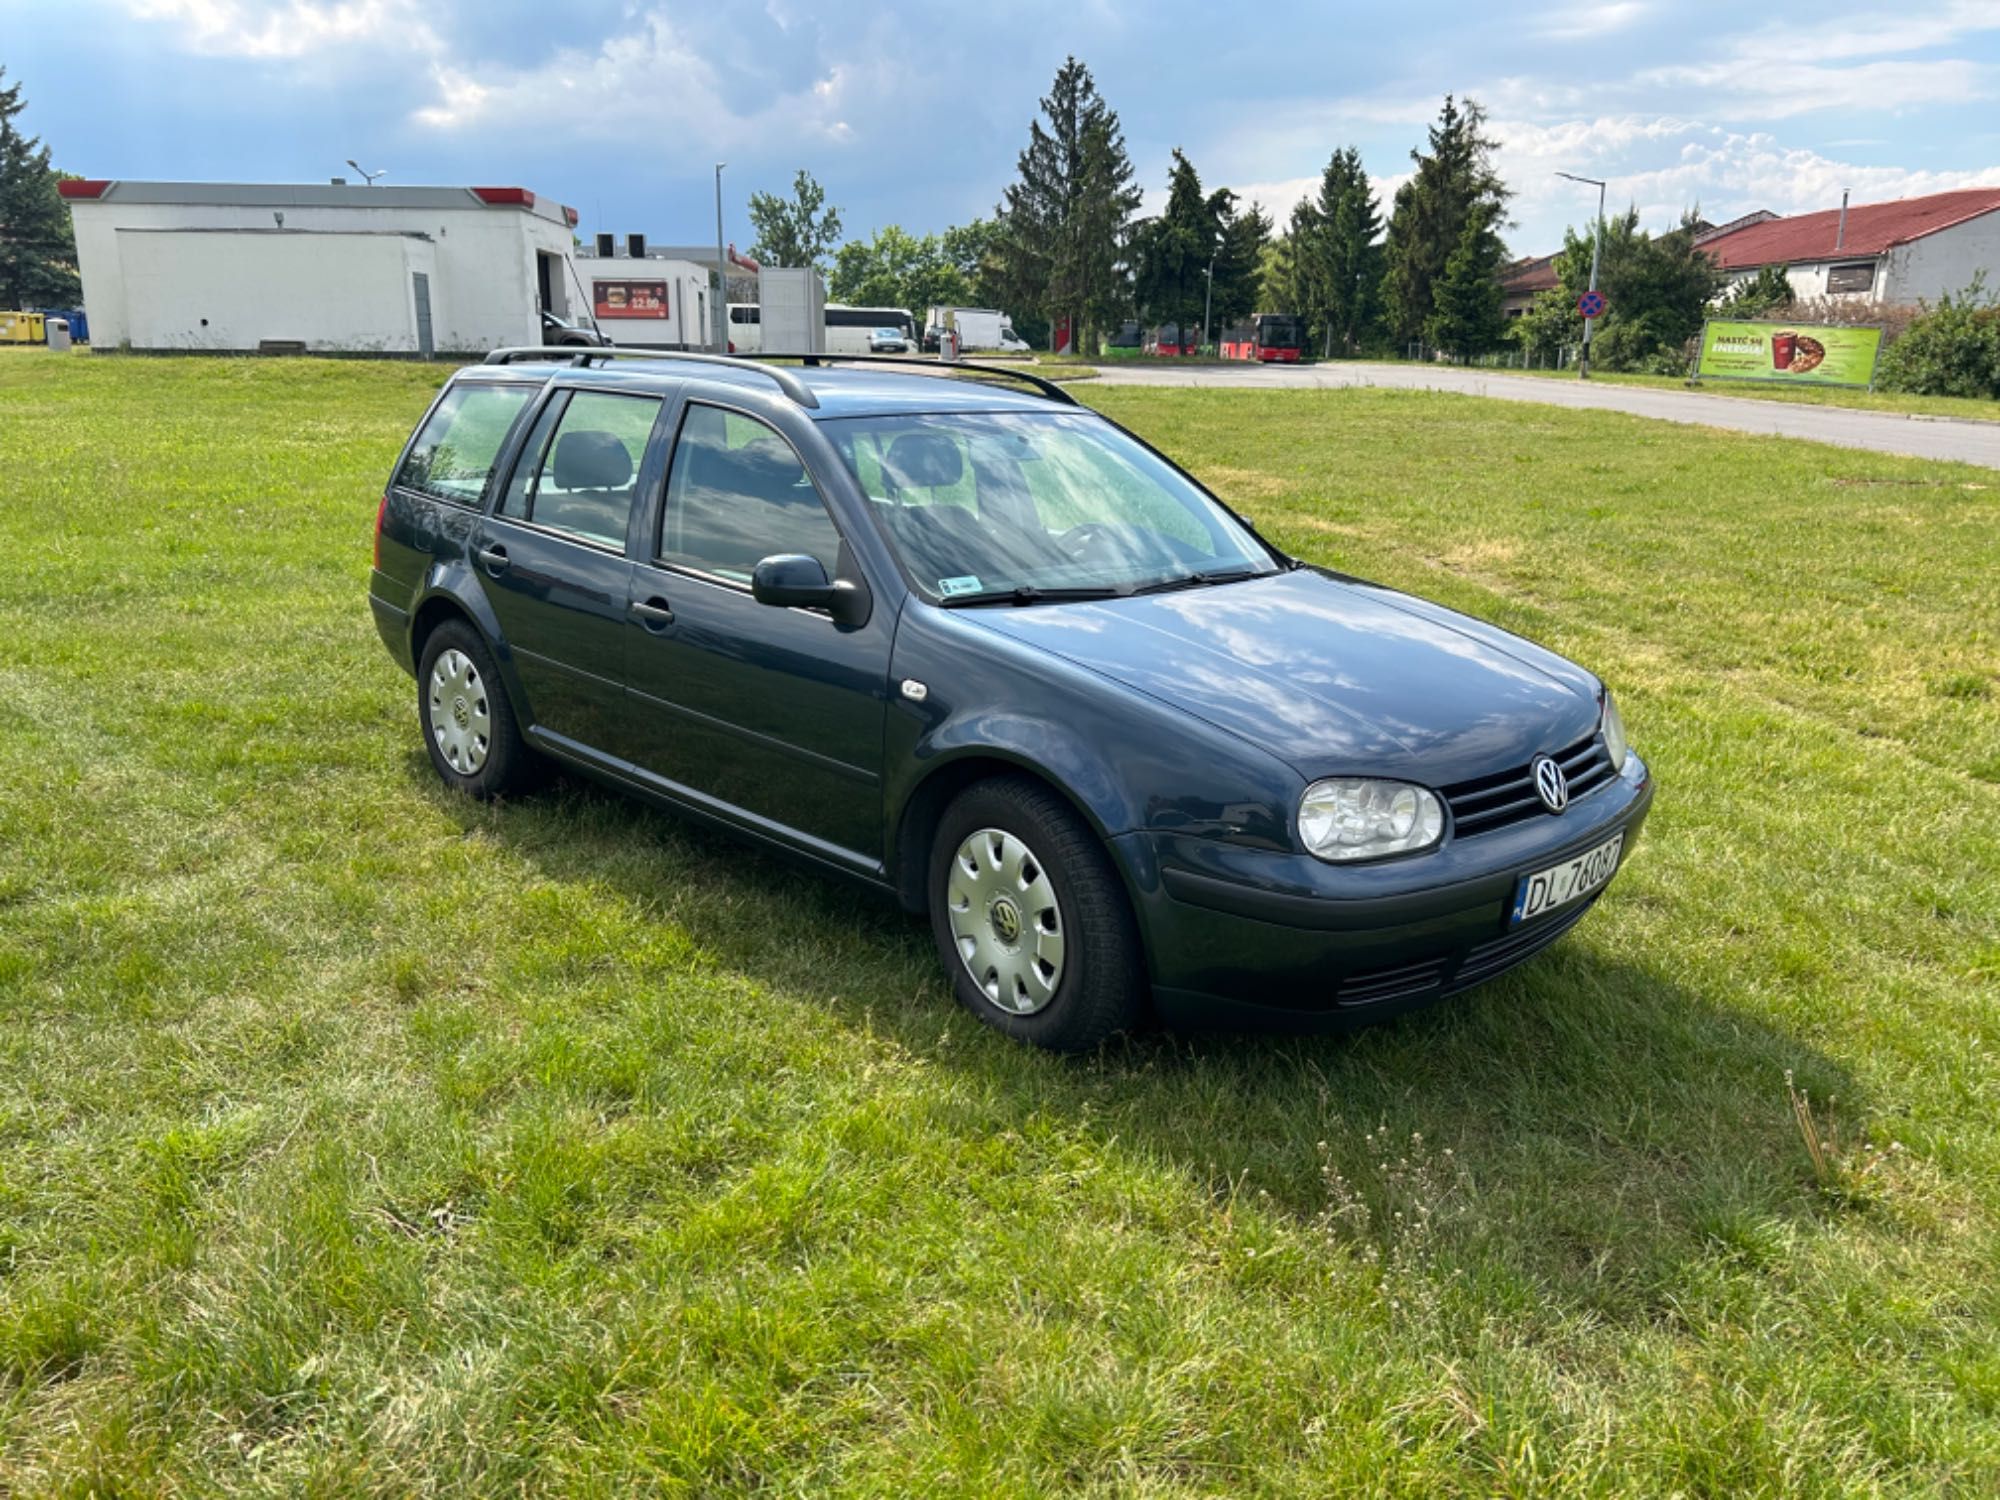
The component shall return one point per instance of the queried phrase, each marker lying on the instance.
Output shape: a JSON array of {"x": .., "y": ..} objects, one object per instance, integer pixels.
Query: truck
[{"x": 976, "y": 327}]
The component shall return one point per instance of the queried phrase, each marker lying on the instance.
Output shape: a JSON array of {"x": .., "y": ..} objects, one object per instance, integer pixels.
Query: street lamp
[
  {"x": 721, "y": 271},
  {"x": 1596, "y": 254}
]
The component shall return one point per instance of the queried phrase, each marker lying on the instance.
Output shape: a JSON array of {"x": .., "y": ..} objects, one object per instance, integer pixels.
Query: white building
[
  {"x": 1912, "y": 250},
  {"x": 231, "y": 266},
  {"x": 649, "y": 297}
]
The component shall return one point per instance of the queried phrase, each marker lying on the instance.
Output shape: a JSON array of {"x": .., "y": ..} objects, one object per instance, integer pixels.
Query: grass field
[{"x": 354, "y": 1139}]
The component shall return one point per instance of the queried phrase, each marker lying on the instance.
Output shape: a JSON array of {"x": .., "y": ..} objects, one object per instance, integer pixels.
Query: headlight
[
  {"x": 1614, "y": 733},
  {"x": 1346, "y": 818}
]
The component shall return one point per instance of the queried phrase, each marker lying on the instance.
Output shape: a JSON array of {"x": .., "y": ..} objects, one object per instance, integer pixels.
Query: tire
[
  {"x": 468, "y": 721},
  {"x": 1031, "y": 920}
]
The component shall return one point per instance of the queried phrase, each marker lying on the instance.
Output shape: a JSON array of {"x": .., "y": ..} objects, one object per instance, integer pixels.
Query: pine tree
[
  {"x": 1066, "y": 223},
  {"x": 1239, "y": 262},
  {"x": 1453, "y": 182},
  {"x": 1170, "y": 254},
  {"x": 1465, "y": 317},
  {"x": 37, "y": 244}
]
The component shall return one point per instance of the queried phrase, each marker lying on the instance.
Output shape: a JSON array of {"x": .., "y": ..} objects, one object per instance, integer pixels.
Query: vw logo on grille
[{"x": 1550, "y": 784}]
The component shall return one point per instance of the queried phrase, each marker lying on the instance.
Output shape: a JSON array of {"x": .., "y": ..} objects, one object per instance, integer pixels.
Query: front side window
[
  {"x": 579, "y": 473},
  {"x": 991, "y": 503},
  {"x": 453, "y": 457},
  {"x": 738, "y": 494}
]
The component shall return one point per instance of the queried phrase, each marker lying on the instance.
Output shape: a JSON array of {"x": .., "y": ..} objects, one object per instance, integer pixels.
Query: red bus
[
  {"x": 1266, "y": 337},
  {"x": 1171, "y": 338}
]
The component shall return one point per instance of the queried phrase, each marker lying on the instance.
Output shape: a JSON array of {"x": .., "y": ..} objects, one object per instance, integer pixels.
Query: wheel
[
  {"x": 1031, "y": 920},
  {"x": 469, "y": 726}
]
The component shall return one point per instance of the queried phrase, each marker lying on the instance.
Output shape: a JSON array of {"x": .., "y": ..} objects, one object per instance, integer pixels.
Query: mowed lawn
[{"x": 357, "y": 1139}]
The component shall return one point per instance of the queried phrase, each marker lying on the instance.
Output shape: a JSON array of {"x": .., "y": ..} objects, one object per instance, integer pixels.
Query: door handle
[
  {"x": 495, "y": 559},
  {"x": 653, "y": 613}
]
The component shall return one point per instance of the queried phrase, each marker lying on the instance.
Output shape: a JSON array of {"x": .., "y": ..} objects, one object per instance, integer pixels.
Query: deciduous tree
[{"x": 794, "y": 231}]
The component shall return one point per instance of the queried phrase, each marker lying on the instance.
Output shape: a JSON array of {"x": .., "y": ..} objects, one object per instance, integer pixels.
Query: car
[
  {"x": 986, "y": 652},
  {"x": 888, "y": 341},
  {"x": 932, "y": 337},
  {"x": 561, "y": 333}
]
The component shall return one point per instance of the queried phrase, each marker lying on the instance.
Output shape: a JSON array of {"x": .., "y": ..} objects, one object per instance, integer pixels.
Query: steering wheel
[{"x": 1077, "y": 542}]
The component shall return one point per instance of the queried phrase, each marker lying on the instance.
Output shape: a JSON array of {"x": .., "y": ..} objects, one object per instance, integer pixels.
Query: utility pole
[
  {"x": 721, "y": 318},
  {"x": 1208, "y": 297},
  {"x": 1596, "y": 256}
]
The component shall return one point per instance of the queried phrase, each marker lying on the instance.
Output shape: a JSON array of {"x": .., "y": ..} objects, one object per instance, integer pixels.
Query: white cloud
[
  {"x": 1748, "y": 88},
  {"x": 1573, "y": 23},
  {"x": 290, "y": 29},
  {"x": 1665, "y": 164},
  {"x": 651, "y": 79},
  {"x": 1876, "y": 33}
]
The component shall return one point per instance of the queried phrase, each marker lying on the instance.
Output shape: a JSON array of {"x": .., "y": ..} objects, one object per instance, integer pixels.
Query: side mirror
[{"x": 791, "y": 580}]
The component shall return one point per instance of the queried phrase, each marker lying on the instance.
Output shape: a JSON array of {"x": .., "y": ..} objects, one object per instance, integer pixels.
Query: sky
[{"x": 914, "y": 111}]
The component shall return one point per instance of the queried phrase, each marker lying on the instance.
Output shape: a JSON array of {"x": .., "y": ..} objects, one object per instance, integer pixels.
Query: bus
[
  {"x": 1266, "y": 337},
  {"x": 847, "y": 328}
]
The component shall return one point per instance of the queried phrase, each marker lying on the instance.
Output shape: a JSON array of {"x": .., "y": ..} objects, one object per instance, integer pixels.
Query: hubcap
[
  {"x": 461, "y": 721},
  {"x": 1005, "y": 921}
]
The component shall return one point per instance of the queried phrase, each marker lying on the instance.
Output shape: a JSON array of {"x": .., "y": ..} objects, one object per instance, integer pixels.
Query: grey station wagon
[{"x": 990, "y": 653}]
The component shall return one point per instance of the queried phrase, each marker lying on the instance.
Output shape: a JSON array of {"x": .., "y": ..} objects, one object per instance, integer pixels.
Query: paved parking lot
[{"x": 1884, "y": 432}]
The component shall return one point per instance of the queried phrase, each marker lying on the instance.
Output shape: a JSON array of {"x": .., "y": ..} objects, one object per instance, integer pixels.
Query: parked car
[
  {"x": 989, "y": 653},
  {"x": 558, "y": 331},
  {"x": 933, "y": 336},
  {"x": 888, "y": 341}
]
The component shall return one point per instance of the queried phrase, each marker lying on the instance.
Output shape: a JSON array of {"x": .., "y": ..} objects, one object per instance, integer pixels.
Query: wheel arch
[{"x": 918, "y": 817}]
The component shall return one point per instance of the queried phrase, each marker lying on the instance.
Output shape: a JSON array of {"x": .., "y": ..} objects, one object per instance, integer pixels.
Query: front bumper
[{"x": 1247, "y": 938}]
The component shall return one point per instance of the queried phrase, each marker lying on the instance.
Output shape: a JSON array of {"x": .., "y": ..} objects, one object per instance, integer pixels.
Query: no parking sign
[{"x": 1591, "y": 305}]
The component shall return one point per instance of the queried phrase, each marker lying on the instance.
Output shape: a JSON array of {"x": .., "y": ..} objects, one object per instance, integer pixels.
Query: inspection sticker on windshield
[
  {"x": 1569, "y": 881},
  {"x": 967, "y": 584}
]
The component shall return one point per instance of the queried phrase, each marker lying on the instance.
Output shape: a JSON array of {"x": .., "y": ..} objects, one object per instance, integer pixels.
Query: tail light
[{"x": 381, "y": 514}]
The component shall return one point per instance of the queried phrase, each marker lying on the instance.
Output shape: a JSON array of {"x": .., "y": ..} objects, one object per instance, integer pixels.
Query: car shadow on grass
[{"x": 1585, "y": 1125}]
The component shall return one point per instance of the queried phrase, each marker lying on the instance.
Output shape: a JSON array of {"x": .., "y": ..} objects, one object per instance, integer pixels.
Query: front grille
[
  {"x": 1517, "y": 946},
  {"x": 1453, "y": 973},
  {"x": 1508, "y": 797},
  {"x": 1373, "y": 986}
]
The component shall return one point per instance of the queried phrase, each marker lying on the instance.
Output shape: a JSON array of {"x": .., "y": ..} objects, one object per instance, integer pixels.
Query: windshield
[{"x": 1005, "y": 506}]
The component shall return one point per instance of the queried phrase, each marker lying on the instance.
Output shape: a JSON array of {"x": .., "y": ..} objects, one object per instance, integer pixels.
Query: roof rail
[
  {"x": 1045, "y": 386},
  {"x": 582, "y": 354}
]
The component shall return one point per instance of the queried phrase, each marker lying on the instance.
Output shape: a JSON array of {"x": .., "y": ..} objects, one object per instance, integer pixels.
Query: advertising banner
[
  {"x": 1793, "y": 353},
  {"x": 630, "y": 299}
]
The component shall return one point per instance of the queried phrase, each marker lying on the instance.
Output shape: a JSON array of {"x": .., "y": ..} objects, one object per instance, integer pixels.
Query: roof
[
  {"x": 81, "y": 191},
  {"x": 1535, "y": 274},
  {"x": 841, "y": 390},
  {"x": 1871, "y": 229}
]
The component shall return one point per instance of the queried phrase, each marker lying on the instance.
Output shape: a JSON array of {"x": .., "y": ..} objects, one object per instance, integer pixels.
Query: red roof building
[{"x": 1914, "y": 249}]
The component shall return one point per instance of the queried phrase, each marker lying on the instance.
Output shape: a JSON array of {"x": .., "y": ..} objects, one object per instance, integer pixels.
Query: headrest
[
  {"x": 924, "y": 460},
  {"x": 591, "y": 461}
]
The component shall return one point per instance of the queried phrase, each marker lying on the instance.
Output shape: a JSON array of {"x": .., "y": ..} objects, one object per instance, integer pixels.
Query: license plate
[{"x": 1569, "y": 881}]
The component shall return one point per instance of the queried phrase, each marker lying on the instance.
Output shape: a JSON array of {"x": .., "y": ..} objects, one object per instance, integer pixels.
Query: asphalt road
[{"x": 1965, "y": 442}]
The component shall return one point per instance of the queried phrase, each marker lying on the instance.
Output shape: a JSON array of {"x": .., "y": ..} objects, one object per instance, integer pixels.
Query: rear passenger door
[
  {"x": 773, "y": 716},
  {"x": 552, "y": 558}
]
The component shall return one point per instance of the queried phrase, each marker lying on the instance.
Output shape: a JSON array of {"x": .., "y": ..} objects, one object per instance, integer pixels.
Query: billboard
[
  {"x": 629, "y": 299},
  {"x": 1790, "y": 353}
]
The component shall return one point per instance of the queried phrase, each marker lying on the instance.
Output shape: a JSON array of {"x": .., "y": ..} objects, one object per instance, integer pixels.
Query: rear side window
[
  {"x": 580, "y": 472},
  {"x": 453, "y": 456}
]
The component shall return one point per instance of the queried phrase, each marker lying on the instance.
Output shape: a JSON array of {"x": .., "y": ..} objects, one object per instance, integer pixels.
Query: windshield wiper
[
  {"x": 1198, "y": 580},
  {"x": 1028, "y": 593}
]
